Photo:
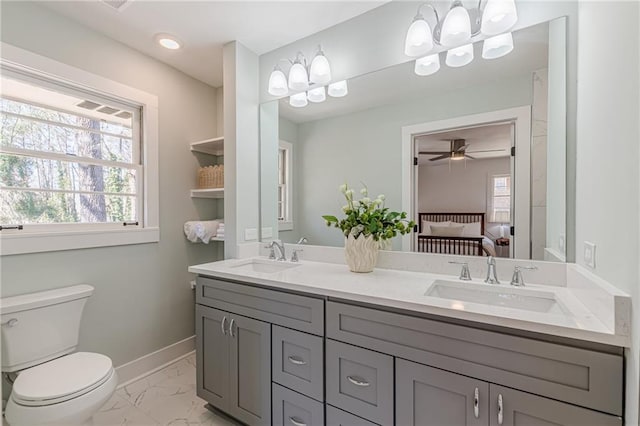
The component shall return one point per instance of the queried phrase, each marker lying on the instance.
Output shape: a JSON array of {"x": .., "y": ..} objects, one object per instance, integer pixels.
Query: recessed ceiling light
[{"x": 168, "y": 41}]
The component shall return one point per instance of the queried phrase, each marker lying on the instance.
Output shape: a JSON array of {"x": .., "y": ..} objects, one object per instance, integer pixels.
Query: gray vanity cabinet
[
  {"x": 427, "y": 396},
  {"x": 510, "y": 407},
  {"x": 233, "y": 356}
]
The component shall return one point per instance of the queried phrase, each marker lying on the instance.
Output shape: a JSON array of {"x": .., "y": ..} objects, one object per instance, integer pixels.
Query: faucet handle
[
  {"x": 465, "y": 275},
  {"x": 272, "y": 253},
  {"x": 517, "y": 280},
  {"x": 294, "y": 255}
]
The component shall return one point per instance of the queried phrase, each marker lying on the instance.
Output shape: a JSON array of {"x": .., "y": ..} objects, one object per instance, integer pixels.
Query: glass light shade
[
  {"x": 460, "y": 56},
  {"x": 498, "y": 46},
  {"x": 427, "y": 65},
  {"x": 419, "y": 39},
  {"x": 320, "y": 71},
  {"x": 298, "y": 78},
  {"x": 456, "y": 28},
  {"x": 317, "y": 95},
  {"x": 298, "y": 100},
  {"x": 278, "y": 83},
  {"x": 338, "y": 89},
  {"x": 498, "y": 16}
]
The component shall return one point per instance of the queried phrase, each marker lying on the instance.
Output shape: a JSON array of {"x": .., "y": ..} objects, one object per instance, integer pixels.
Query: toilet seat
[{"x": 62, "y": 379}]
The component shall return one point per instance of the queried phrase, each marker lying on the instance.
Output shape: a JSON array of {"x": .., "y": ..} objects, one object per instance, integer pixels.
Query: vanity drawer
[
  {"x": 276, "y": 307},
  {"x": 297, "y": 361},
  {"x": 582, "y": 377},
  {"x": 360, "y": 381},
  {"x": 292, "y": 409},
  {"x": 337, "y": 417}
]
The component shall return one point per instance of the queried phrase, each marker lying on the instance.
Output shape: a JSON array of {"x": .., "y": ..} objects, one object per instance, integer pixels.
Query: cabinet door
[
  {"x": 510, "y": 407},
  {"x": 212, "y": 356},
  {"x": 250, "y": 368},
  {"x": 428, "y": 396}
]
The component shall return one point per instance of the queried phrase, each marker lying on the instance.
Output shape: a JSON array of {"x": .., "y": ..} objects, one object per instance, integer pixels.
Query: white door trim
[{"x": 521, "y": 116}]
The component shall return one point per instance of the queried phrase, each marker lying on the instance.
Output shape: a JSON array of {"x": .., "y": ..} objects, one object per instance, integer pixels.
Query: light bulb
[
  {"x": 320, "y": 71},
  {"x": 338, "y": 89},
  {"x": 168, "y": 41},
  {"x": 497, "y": 46},
  {"x": 460, "y": 56},
  {"x": 298, "y": 100},
  {"x": 278, "y": 83},
  {"x": 427, "y": 65},
  {"x": 419, "y": 40},
  {"x": 456, "y": 28},
  {"x": 298, "y": 78},
  {"x": 498, "y": 16},
  {"x": 316, "y": 95}
]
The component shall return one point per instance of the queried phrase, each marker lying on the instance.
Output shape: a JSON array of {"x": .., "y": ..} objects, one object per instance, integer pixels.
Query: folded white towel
[
  {"x": 190, "y": 232},
  {"x": 206, "y": 230}
]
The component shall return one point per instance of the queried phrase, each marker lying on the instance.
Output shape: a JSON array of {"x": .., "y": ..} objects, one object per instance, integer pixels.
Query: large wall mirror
[{"x": 475, "y": 154}]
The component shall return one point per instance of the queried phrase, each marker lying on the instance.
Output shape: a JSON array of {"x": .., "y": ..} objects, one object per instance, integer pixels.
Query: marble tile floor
[{"x": 166, "y": 397}]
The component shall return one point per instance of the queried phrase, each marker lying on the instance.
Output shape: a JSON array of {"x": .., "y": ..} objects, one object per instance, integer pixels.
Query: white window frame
[
  {"x": 492, "y": 197},
  {"x": 34, "y": 239},
  {"x": 287, "y": 224}
]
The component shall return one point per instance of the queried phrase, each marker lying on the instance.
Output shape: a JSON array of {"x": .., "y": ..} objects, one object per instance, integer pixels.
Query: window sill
[
  {"x": 285, "y": 226},
  {"x": 16, "y": 243}
]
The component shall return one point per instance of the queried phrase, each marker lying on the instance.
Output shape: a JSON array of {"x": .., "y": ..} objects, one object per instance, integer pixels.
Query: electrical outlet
[
  {"x": 561, "y": 243},
  {"x": 590, "y": 254}
]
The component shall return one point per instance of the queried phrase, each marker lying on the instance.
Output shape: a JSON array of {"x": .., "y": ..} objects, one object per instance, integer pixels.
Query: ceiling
[
  {"x": 399, "y": 83},
  {"x": 205, "y": 26},
  {"x": 484, "y": 138}
]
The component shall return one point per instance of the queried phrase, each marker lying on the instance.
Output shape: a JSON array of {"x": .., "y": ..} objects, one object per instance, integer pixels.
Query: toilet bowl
[
  {"x": 65, "y": 391},
  {"x": 54, "y": 385}
]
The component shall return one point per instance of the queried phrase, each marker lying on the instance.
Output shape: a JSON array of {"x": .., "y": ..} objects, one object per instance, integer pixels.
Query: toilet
[{"x": 52, "y": 383}]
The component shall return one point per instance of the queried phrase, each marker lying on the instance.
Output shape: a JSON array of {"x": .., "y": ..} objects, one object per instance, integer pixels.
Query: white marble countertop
[{"x": 406, "y": 291}]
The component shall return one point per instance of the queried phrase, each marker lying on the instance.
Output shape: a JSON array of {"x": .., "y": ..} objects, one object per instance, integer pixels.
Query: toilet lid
[{"x": 62, "y": 379}]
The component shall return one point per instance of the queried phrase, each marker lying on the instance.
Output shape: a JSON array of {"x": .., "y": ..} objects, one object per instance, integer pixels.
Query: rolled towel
[
  {"x": 190, "y": 231},
  {"x": 206, "y": 230}
]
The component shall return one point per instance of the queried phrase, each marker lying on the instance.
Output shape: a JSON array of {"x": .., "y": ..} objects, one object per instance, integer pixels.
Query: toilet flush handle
[{"x": 12, "y": 322}]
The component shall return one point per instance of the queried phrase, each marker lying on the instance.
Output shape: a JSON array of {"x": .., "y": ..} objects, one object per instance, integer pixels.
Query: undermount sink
[
  {"x": 264, "y": 266},
  {"x": 496, "y": 295}
]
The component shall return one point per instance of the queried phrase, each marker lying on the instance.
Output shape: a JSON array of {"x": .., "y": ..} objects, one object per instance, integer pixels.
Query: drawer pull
[
  {"x": 358, "y": 381},
  {"x": 500, "y": 415},
  {"x": 476, "y": 403},
  {"x": 222, "y": 323},
  {"x": 233, "y": 320},
  {"x": 297, "y": 361},
  {"x": 296, "y": 421}
]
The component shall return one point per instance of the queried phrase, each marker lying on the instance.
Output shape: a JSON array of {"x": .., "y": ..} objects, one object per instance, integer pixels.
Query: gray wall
[
  {"x": 461, "y": 187},
  {"x": 142, "y": 300},
  {"x": 366, "y": 147},
  {"x": 608, "y": 182}
]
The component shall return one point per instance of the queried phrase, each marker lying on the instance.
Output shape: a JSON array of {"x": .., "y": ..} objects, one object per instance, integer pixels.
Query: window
[
  {"x": 72, "y": 173},
  {"x": 285, "y": 210},
  {"x": 500, "y": 199}
]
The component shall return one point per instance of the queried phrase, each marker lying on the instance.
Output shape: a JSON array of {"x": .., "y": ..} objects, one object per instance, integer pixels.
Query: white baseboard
[{"x": 150, "y": 363}]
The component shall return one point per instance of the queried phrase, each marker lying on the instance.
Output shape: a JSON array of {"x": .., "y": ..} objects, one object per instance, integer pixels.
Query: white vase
[{"x": 361, "y": 253}]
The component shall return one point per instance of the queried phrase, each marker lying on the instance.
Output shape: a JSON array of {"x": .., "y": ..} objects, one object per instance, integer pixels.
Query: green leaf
[{"x": 330, "y": 218}]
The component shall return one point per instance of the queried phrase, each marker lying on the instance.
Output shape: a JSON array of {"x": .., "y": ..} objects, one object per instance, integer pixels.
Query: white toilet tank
[{"x": 38, "y": 327}]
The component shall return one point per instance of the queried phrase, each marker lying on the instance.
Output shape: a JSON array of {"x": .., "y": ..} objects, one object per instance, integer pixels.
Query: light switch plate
[{"x": 590, "y": 254}]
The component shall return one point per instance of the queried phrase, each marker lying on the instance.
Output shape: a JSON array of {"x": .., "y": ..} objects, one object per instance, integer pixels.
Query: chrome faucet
[
  {"x": 302, "y": 240},
  {"x": 465, "y": 275},
  {"x": 492, "y": 275},
  {"x": 517, "y": 280},
  {"x": 281, "y": 253}
]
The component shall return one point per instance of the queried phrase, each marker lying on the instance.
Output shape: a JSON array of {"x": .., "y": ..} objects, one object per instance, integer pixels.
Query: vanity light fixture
[
  {"x": 278, "y": 85},
  {"x": 298, "y": 77},
  {"x": 317, "y": 95},
  {"x": 168, "y": 41},
  {"x": 338, "y": 89},
  {"x": 497, "y": 46},
  {"x": 456, "y": 28},
  {"x": 460, "y": 56},
  {"x": 427, "y": 65},
  {"x": 455, "y": 31},
  {"x": 320, "y": 71},
  {"x": 298, "y": 100}
]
